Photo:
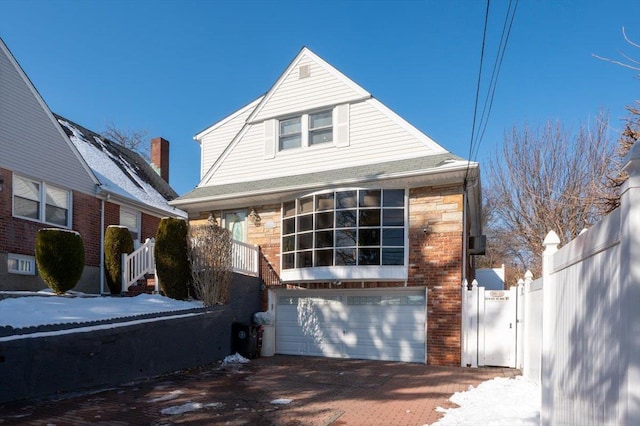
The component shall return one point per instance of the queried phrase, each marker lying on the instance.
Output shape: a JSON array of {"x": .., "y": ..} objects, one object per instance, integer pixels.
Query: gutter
[{"x": 268, "y": 191}]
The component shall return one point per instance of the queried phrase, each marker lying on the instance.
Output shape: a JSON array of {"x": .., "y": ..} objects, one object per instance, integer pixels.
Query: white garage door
[{"x": 363, "y": 324}]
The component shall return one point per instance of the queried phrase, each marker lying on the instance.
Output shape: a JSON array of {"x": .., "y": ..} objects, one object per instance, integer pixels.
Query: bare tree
[
  {"x": 547, "y": 179},
  {"x": 631, "y": 132},
  {"x": 135, "y": 140},
  {"x": 210, "y": 256}
]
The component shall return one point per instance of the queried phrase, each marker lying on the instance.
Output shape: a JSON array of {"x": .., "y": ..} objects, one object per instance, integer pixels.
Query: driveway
[{"x": 280, "y": 390}]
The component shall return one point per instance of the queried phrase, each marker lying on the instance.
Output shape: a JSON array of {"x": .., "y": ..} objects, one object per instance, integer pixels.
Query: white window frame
[
  {"x": 42, "y": 200},
  {"x": 138, "y": 230},
  {"x": 305, "y": 130},
  {"x": 21, "y": 260},
  {"x": 381, "y": 271}
]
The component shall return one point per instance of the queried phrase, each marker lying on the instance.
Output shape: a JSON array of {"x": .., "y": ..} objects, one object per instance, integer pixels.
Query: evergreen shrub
[
  {"x": 117, "y": 240},
  {"x": 172, "y": 261},
  {"x": 60, "y": 258}
]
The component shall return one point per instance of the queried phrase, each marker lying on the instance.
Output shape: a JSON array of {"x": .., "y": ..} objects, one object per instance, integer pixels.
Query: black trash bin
[{"x": 246, "y": 339}]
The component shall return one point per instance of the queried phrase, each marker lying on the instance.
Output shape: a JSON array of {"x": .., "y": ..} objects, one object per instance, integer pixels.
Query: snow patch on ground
[
  {"x": 37, "y": 310},
  {"x": 282, "y": 401},
  {"x": 497, "y": 402},
  {"x": 177, "y": 410},
  {"x": 235, "y": 359}
]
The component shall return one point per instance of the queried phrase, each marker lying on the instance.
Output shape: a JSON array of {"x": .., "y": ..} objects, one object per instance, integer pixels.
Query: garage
[{"x": 382, "y": 324}]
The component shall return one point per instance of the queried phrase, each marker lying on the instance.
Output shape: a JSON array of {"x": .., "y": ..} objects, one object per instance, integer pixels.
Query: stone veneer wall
[{"x": 435, "y": 262}]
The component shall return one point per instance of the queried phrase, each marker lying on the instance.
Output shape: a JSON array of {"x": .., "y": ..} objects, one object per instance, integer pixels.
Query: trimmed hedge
[
  {"x": 117, "y": 240},
  {"x": 172, "y": 261},
  {"x": 60, "y": 258}
]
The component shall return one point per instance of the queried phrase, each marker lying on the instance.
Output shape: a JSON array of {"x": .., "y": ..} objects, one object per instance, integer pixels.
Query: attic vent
[{"x": 304, "y": 71}]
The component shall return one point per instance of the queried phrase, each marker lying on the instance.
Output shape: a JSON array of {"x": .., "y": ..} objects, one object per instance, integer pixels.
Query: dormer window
[
  {"x": 290, "y": 133},
  {"x": 321, "y": 127},
  {"x": 306, "y": 130}
]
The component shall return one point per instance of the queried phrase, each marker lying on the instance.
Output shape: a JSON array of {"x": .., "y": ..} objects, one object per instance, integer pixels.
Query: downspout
[
  {"x": 465, "y": 245},
  {"x": 102, "y": 247}
]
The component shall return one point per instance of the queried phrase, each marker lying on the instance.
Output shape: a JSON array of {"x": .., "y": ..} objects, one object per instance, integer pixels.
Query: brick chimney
[{"x": 160, "y": 157}]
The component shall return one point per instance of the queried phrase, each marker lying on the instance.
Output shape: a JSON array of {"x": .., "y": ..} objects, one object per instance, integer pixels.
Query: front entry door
[{"x": 236, "y": 224}]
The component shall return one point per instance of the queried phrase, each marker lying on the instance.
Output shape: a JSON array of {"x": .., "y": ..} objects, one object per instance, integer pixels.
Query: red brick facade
[{"x": 18, "y": 236}]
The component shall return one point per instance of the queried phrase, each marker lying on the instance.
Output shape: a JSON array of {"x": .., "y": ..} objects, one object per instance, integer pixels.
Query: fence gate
[
  {"x": 497, "y": 328},
  {"x": 490, "y": 323}
]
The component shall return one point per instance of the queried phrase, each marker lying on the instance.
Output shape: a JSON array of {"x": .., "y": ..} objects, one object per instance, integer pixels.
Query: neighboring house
[
  {"x": 491, "y": 278},
  {"x": 365, "y": 218},
  {"x": 54, "y": 173}
]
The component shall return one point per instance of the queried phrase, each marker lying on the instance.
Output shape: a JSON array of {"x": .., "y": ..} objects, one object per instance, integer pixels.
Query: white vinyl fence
[{"x": 587, "y": 352}]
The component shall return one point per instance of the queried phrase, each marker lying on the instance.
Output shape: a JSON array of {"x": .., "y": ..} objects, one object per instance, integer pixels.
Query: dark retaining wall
[{"x": 46, "y": 366}]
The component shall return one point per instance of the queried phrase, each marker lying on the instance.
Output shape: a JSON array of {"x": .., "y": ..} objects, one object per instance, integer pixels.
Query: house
[
  {"x": 491, "y": 278},
  {"x": 55, "y": 173},
  {"x": 364, "y": 218}
]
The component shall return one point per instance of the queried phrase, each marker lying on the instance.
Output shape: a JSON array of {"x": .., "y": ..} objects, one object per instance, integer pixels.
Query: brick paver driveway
[{"x": 322, "y": 392}]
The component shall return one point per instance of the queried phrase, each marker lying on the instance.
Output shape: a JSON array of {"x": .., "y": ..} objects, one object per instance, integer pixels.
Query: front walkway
[{"x": 322, "y": 392}]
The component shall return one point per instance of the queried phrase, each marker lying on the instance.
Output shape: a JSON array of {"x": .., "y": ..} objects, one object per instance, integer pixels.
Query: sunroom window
[{"x": 355, "y": 227}]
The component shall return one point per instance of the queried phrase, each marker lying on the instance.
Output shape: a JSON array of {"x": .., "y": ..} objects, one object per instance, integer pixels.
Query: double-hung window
[
  {"x": 290, "y": 133},
  {"x": 41, "y": 202},
  {"x": 306, "y": 130},
  {"x": 320, "y": 127},
  {"x": 131, "y": 219}
]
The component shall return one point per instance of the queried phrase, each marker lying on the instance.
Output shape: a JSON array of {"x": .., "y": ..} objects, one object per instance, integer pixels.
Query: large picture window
[
  {"x": 41, "y": 202},
  {"x": 356, "y": 227}
]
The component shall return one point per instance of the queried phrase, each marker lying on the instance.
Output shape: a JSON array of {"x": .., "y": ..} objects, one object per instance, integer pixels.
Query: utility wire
[
  {"x": 477, "y": 132},
  {"x": 475, "y": 108},
  {"x": 484, "y": 120}
]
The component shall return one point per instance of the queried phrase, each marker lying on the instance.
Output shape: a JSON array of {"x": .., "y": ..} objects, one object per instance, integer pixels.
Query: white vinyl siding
[
  {"x": 31, "y": 141},
  {"x": 320, "y": 89},
  {"x": 214, "y": 141},
  {"x": 41, "y": 202},
  {"x": 372, "y": 137}
]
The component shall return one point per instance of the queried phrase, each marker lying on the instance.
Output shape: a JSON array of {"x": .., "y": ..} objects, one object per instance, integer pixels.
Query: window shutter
[
  {"x": 341, "y": 127},
  {"x": 270, "y": 138}
]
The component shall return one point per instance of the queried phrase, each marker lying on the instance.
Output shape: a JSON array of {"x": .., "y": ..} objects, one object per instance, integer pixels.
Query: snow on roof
[{"x": 118, "y": 172}]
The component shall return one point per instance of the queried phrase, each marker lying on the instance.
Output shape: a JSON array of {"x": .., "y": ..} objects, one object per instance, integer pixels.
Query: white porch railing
[
  {"x": 139, "y": 263},
  {"x": 245, "y": 258}
]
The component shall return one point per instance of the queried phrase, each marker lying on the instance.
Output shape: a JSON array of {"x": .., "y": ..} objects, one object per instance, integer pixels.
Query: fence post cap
[
  {"x": 632, "y": 156},
  {"x": 551, "y": 239},
  {"x": 474, "y": 283},
  {"x": 528, "y": 274}
]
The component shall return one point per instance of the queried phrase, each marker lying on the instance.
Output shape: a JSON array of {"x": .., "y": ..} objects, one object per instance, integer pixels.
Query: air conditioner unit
[{"x": 478, "y": 245}]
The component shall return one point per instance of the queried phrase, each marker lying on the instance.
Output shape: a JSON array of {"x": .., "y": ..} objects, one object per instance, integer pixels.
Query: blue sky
[{"x": 175, "y": 67}]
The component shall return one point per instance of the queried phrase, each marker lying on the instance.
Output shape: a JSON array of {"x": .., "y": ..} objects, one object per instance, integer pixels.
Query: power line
[
  {"x": 484, "y": 120},
  {"x": 475, "y": 108},
  {"x": 477, "y": 132}
]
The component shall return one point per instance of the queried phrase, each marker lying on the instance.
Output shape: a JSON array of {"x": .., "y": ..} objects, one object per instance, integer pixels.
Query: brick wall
[
  {"x": 19, "y": 236},
  {"x": 149, "y": 226},
  {"x": 435, "y": 261}
]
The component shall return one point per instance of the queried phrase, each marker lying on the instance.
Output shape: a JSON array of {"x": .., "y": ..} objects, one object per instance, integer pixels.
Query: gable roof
[
  {"x": 31, "y": 141},
  {"x": 122, "y": 173},
  {"x": 339, "y": 83},
  {"x": 380, "y": 146}
]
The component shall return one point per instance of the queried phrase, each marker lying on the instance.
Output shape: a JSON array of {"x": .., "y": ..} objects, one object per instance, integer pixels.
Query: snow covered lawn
[
  {"x": 45, "y": 308},
  {"x": 497, "y": 402}
]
